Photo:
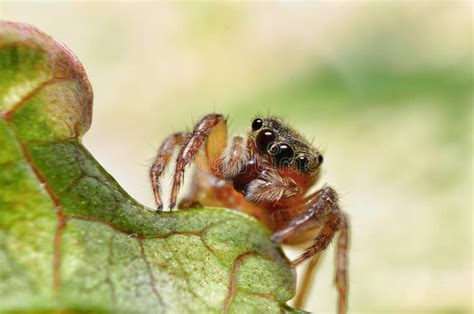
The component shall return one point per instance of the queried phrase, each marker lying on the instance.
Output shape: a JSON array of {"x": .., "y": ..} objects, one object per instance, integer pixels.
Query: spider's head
[{"x": 283, "y": 147}]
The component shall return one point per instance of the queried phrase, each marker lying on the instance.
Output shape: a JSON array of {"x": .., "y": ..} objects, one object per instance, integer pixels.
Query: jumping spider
[{"x": 268, "y": 178}]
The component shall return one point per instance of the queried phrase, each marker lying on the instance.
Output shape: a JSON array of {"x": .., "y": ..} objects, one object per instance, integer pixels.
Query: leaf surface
[{"x": 72, "y": 239}]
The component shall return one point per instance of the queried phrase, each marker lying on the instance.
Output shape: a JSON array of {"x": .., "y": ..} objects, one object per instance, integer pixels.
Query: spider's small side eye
[
  {"x": 302, "y": 163},
  {"x": 320, "y": 159},
  {"x": 257, "y": 124},
  {"x": 265, "y": 138}
]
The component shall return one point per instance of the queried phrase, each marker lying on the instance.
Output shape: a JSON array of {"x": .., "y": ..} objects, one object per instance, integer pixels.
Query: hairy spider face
[{"x": 283, "y": 147}]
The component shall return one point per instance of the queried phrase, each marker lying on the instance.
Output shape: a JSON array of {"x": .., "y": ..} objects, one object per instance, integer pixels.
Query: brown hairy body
[{"x": 268, "y": 177}]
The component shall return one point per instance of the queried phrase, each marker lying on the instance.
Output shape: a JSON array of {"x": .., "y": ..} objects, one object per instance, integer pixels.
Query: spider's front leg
[
  {"x": 161, "y": 161},
  {"x": 212, "y": 130},
  {"x": 323, "y": 210},
  {"x": 230, "y": 163}
]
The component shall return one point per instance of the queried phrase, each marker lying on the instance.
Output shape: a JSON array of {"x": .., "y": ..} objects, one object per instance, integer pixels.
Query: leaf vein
[
  {"x": 61, "y": 221},
  {"x": 149, "y": 272},
  {"x": 10, "y": 114}
]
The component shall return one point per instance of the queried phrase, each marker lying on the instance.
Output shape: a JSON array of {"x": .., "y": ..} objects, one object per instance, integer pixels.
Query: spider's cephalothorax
[
  {"x": 268, "y": 177},
  {"x": 282, "y": 162},
  {"x": 285, "y": 147}
]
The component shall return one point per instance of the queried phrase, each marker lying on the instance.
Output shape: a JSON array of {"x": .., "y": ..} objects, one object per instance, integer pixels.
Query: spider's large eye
[
  {"x": 302, "y": 163},
  {"x": 257, "y": 124},
  {"x": 282, "y": 153},
  {"x": 265, "y": 138}
]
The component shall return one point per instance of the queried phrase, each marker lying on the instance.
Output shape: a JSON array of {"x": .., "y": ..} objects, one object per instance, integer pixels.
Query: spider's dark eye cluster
[
  {"x": 265, "y": 139},
  {"x": 257, "y": 124},
  {"x": 281, "y": 153}
]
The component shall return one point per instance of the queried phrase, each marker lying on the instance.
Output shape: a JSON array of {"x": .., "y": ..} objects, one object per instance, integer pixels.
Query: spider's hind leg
[
  {"x": 307, "y": 281},
  {"x": 323, "y": 210}
]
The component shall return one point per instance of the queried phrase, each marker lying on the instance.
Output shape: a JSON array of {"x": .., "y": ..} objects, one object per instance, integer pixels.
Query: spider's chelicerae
[{"x": 269, "y": 178}]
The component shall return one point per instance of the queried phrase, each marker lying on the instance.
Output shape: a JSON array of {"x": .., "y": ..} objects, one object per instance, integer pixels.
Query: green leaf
[{"x": 72, "y": 239}]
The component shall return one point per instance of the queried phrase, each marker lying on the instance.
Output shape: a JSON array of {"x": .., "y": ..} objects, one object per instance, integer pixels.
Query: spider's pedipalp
[
  {"x": 234, "y": 158},
  {"x": 270, "y": 186}
]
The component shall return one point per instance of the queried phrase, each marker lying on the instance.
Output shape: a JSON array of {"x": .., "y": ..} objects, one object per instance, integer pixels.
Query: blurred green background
[{"x": 383, "y": 88}]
